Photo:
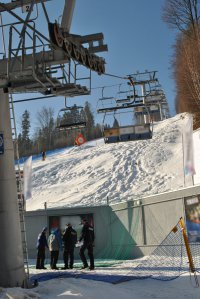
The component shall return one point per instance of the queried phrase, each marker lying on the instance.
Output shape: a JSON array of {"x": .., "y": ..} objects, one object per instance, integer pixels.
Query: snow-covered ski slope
[{"x": 88, "y": 174}]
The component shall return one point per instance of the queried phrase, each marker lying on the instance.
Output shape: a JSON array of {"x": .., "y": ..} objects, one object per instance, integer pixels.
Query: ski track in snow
[{"x": 87, "y": 175}]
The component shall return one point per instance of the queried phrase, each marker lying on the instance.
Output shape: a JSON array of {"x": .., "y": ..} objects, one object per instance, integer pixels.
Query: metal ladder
[{"x": 19, "y": 178}]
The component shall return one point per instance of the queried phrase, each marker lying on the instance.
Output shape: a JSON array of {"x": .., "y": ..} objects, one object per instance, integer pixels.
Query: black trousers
[
  {"x": 40, "y": 258},
  {"x": 54, "y": 258},
  {"x": 68, "y": 255},
  {"x": 89, "y": 248}
]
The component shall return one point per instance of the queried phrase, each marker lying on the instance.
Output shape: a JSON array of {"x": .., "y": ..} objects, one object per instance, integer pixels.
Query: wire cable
[{"x": 115, "y": 76}]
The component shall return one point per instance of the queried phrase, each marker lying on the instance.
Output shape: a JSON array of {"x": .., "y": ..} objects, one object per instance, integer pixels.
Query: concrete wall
[{"x": 126, "y": 230}]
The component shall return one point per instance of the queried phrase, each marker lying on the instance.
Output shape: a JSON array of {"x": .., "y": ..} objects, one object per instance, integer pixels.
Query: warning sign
[{"x": 80, "y": 139}]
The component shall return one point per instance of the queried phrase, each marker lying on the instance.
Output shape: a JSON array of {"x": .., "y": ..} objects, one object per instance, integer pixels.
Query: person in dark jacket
[
  {"x": 87, "y": 237},
  {"x": 69, "y": 241},
  {"x": 43, "y": 156},
  {"x": 41, "y": 244}
]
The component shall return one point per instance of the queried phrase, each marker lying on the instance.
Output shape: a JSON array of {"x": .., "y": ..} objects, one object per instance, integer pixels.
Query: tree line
[
  {"x": 184, "y": 16},
  {"x": 48, "y": 137}
]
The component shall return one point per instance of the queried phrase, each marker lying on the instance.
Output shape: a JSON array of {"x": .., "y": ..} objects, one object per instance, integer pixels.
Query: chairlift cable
[
  {"x": 115, "y": 76},
  {"x": 107, "y": 86}
]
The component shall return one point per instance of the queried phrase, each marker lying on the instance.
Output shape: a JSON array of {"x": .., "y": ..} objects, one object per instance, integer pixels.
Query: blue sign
[
  {"x": 1, "y": 144},
  {"x": 192, "y": 208}
]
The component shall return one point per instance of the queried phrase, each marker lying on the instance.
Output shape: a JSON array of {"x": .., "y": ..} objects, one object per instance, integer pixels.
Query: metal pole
[
  {"x": 143, "y": 226},
  {"x": 143, "y": 100},
  {"x": 67, "y": 15},
  {"x": 12, "y": 273},
  {"x": 183, "y": 161},
  {"x": 22, "y": 34},
  {"x": 3, "y": 37},
  {"x": 187, "y": 246},
  {"x": 45, "y": 207},
  {"x": 161, "y": 115},
  {"x": 107, "y": 200}
]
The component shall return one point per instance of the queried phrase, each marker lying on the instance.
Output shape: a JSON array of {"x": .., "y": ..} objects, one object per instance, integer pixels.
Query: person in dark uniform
[
  {"x": 87, "y": 237},
  {"x": 43, "y": 156},
  {"x": 41, "y": 244},
  {"x": 69, "y": 241}
]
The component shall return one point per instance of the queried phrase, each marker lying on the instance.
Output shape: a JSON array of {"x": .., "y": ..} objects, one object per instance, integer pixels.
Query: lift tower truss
[{"x": 49, "y": 65}]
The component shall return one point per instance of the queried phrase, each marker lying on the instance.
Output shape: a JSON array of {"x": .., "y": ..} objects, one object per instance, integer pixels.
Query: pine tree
[
  {"x": 89, "y": 121},
  {"x": 25, "y": 125},
  {"x": 24, "y": 141},
  {"x": 115, "y": 123}
]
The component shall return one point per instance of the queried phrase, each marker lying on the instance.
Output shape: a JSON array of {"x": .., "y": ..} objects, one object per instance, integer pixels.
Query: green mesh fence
[
  {"x": 123, "y": 237},
  {"x": 168, "y": 261}
]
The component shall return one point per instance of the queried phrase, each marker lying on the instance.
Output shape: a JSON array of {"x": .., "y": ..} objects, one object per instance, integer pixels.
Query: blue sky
[{"x": 137, "y": 39}]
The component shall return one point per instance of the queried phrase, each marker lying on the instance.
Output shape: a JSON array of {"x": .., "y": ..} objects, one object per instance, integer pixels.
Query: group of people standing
[{"x": 56, "y": 242}]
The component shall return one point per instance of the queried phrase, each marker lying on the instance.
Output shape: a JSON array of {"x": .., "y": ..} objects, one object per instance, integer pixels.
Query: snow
[
  {"x": 87, "y": 175},
  {"x": 70, "y": 288}
]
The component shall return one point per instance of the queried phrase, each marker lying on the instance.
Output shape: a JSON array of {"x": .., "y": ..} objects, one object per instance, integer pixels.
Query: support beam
[
  {"x": 49, "y": 58},
  {"x": 18, "y": 3},
  {"x": 3, "y": 7},
  {"x": 102, "y": 48},
  {"x": 67, "y": 15},
  {"x": 124, "y": 106},
  {"x": 91, "y": 38},
  {"x": 12, "y": 273}
]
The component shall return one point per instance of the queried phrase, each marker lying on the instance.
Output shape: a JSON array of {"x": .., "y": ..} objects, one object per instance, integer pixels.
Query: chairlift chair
[
  {"x": 71, "y": 118},
  {"x": 139, "y": 131},
  {"x": 128, "y": 133}
]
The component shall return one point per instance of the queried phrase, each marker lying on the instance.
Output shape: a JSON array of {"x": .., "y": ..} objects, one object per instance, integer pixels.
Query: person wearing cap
[
  {"x": 87, "y": 237},
  {"x": 69, "y": 241},
  {"x": 41, "y": 245}
]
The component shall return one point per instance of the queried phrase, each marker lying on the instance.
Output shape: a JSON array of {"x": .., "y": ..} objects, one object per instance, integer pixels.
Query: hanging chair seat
[
  {"x": 128, "y": 133},
  {"x": 71, "y": 118},
  {"x": 75, "y": 125}
]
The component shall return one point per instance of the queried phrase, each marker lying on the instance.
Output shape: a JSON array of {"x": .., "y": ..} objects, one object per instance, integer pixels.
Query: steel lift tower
[{"x": 34, "y": 62}]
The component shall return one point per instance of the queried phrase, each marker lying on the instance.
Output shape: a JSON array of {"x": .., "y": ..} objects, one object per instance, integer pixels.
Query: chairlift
[
  {"x": 124, "y": 99},
  {"x": 128, "y": 133},
  {"x": 138, "y": 131},
  {"x": 146, "y": 109},
  {"x": 141, "y": 130},
  {"x": 71, "y": 118}
]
